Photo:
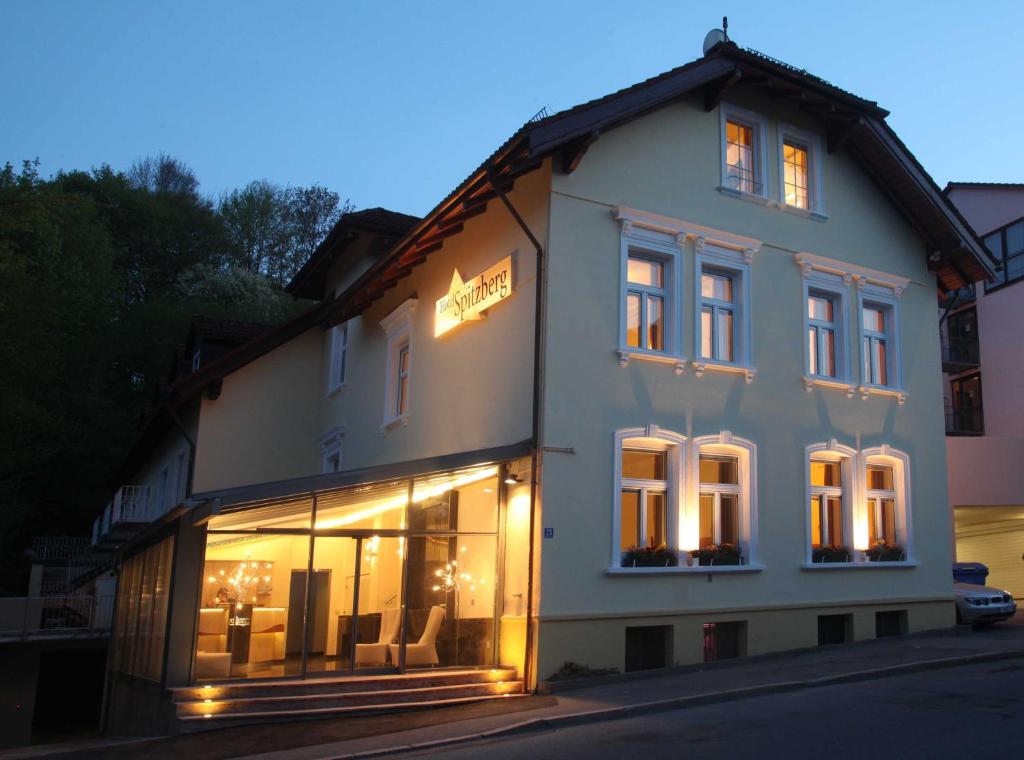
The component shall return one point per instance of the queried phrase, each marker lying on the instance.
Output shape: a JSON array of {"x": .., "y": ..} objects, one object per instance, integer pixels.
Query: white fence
[
  {"x": 55, "y": 616},
  {"x": 131, "y": 504}
]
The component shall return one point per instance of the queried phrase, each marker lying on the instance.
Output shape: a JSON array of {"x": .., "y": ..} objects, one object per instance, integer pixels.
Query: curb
[{"x": 695, "y": 700}]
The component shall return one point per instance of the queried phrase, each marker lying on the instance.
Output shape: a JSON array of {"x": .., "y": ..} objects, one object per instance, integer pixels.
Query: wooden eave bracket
[
  {"x": 573, "y": 153},
  {"x": 839, "y": 132},
  {"x": 713, "y": 92}
]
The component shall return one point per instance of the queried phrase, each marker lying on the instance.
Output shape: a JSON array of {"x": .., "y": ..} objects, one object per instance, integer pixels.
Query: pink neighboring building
[{"x": 983, "y": 364}]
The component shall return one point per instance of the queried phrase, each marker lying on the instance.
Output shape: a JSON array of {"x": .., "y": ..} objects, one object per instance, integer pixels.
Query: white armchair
[
  {"x": 377, "y": 654},
  {"x": 424, "y": 651}
]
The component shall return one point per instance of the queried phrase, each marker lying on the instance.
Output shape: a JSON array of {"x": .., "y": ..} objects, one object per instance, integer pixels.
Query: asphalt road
[{"x": 964, "y": 712}]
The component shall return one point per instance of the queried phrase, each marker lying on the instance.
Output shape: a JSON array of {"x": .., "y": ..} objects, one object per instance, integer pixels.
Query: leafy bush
[{"x": 571, "y": 670}]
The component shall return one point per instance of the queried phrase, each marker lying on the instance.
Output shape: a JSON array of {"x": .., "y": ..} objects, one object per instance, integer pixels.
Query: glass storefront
[{"x": 379, "y": 578}]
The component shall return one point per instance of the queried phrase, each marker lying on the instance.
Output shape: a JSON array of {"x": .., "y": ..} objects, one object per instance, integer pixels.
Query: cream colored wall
[
  {"x": 470, "y": 388},
  {"x": 669, "y": 163},
  {"x": 165, "y": 455},
  {"x": 264, "y": 425}
]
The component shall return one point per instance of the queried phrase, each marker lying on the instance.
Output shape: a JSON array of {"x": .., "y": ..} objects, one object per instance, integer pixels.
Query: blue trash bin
[{"x": 970, "y": 572}]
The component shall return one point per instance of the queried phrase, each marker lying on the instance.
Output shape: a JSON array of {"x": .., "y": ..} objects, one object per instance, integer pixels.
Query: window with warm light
[
  {"x": 646, "y": 299},
  {"x": 402, "y": 383},
  {"x": 821, "y": 334},
  {"x": 644, "y": 499},
  {"x": 740, "y": 160},
  {"x": 796, "y": 183},
  {"x": 719, "y": 500},
  {"x": 876, "y": 343},
  {"x": 826, "y": 503},
  {"x": 717, "y": 316},
  {"x": 882, "y": 504}
]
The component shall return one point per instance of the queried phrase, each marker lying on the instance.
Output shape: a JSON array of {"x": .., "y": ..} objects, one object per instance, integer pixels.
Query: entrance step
[{"x": 220, "y": 705}]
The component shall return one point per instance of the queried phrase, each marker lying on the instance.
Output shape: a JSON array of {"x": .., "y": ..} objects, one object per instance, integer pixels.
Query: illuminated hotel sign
[{"x": 467, "y": 300}]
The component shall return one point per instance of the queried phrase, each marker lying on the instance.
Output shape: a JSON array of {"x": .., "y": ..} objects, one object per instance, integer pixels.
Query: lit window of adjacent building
[
  {"x": 876, "y": 343},
  {"x": 1007, "y": 246},
  {"x": 717, "y": 316},
  {"x": 719, "y": 500},
  {"x": 796, "y": 187},
  {"x": 826, "y": 503},
  {"x": 646, "y": 299},
  {"x": 644, "y": 505},
  {"x": 402, "y": 382},
  {"x": 821, "y": 335},
  {"x": 881, "y": 503}
]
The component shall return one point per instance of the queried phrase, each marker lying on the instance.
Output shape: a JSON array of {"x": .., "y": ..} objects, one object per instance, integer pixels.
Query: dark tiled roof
[{"x": 973, "y": 185}]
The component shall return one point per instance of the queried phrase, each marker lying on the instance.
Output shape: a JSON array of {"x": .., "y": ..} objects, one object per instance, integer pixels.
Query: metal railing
[
  {"x": 961, "y": 351},
  {"x": 61, "y": 548},
  {"x": 131, "y": 504},
  {"x": 55, "y": 616},
  {"x": 964, "y": 420}
]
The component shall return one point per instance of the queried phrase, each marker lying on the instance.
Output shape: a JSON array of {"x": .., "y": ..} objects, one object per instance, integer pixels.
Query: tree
[{"x": 162, "y": 174}]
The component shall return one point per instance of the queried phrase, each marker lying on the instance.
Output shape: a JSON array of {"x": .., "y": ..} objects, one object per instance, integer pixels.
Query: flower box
[
  {"x": 830, "y": 553},
  {"x": 883, "y": 552},
  {"x": 722, "y": 554},
  {"x": 650, "y": 556}
]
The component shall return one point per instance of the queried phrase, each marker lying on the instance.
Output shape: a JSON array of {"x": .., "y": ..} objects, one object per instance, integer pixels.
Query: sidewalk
[{"x": 735, "y": 679}]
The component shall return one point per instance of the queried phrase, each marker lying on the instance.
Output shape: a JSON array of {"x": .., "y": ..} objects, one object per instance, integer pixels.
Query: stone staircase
[{"x": 220, "y": 705}]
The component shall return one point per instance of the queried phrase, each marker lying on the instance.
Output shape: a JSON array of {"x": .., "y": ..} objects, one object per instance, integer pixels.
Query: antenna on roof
[
  {"x": 715, "y": 36},
  {"x": 725, "y": 27}
]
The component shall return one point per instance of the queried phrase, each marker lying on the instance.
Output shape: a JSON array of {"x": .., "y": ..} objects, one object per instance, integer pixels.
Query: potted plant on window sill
[
  {"x": 718, "y": 554},
  {"x": 650, "y": 556},
  {"x": 885, "y": 552},
  {"x": 830, "y": 553}
]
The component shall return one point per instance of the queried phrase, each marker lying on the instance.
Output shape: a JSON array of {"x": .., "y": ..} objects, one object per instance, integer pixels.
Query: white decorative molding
[
  {"x": 866, "y": 391},
  {"x": 675, "y": 227},
  {"x": 625, "y": 355},
  {"x": 700, "y": 367},
  {"x": 810, "y": 383},
  {"x": 810, "y": 262}
]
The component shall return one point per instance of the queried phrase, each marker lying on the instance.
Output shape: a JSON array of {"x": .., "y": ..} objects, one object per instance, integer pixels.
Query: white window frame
[
  {"x": 650, "y": 438},
  {"x": 812, "y": 144},
  {"x": 848, "y": 459},
  {"x": 338, "y": 361},
  {"x": 165, "y": 478},
  {"x": 735, "y": 264},
  {"x": 196, "y": 360},
  {"x": 900, "y": 462},
  {"x": 878, "y": 297},
  {"x": 331, "y": 444},
  {"x": 873, "y": 286},
  {"x": 717, "y": 490},
  {"x": 181, "y": 479},
  {"x": 831, "y": 286},
  {"x": 398, "y": 327},
  {"x": 745, "y": 451},
  {"x": 759, "y": 129},
  {"x": 666, "y": 249}
]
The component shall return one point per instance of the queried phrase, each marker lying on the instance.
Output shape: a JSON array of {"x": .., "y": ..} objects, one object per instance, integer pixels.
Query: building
[
  {"x": 984, "y": 420},
  {"x": 656, "y": 384}
]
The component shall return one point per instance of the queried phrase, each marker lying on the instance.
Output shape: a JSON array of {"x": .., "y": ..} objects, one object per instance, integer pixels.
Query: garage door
[{"x": 1001, "y": 552}]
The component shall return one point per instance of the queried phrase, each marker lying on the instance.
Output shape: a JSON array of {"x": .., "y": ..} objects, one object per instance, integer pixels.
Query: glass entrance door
[{"x": 355, "y": 604}]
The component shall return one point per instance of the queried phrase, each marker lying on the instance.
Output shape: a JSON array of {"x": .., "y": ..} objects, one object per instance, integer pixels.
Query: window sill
[
  {"x": 806, "y": 213},
  {"x": 395, "y": 422},
  {"x": 880, "y": 390},
  {"x": 685, "y": 570},
  {"x": 857, "y": 565},
  {"x": 626, "y": 354},
  {"x": 709, "y": 365},
  {"x": 760, "y": 200},
  {"x": 813, "y": 381}
]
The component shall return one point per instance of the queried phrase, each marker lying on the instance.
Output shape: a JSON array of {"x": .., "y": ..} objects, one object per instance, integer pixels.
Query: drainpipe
[{"x": 535, "y": 447}]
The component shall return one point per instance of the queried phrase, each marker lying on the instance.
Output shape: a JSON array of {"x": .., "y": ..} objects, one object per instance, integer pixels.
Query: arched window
[
  {"x": 885, "y": 526},
  {"x": 721, "y": 507},
  {"x": 648, "y": 475},
  {"x": 831, "y": 478}
]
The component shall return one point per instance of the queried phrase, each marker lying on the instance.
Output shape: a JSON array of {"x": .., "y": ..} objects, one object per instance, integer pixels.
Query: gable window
[
  {"x": 719, "y": 500},
  {"x": 821, "y": 334},
  {"x": 645, "y": 303},
  {"x": 795, "y": 182},
  {"x": 743, "y": 152},
  {"x": 398, "y": 378},
  {"x": 876, "y": 343},
  {"x": 799, "y": 170},
  {"x": 648, "y": 470},
  {"x": 826, "y": 503},
  {"x": 339, "y": 357}
]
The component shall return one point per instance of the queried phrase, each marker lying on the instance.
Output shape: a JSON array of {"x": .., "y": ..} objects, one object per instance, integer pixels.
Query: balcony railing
[
  {"x": 130, "y": 505},
  {"x": 959, "y": 354},
  {"x": 964, "y": 420},
  {"x": 55, "y": 616}
]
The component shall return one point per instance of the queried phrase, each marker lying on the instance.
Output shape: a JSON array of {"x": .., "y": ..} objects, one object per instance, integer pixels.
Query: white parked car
[{"x": 982, "y": 604}]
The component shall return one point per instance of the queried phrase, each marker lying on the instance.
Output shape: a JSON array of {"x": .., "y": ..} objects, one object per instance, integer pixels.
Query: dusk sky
[{"x": 393, "y": 104}]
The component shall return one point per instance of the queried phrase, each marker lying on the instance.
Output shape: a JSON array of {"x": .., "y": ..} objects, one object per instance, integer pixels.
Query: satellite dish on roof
[{"x": 712, "y": 38}]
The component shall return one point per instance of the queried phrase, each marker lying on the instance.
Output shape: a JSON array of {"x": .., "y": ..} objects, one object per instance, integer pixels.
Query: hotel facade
[{"x": 658, "y": 383}]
